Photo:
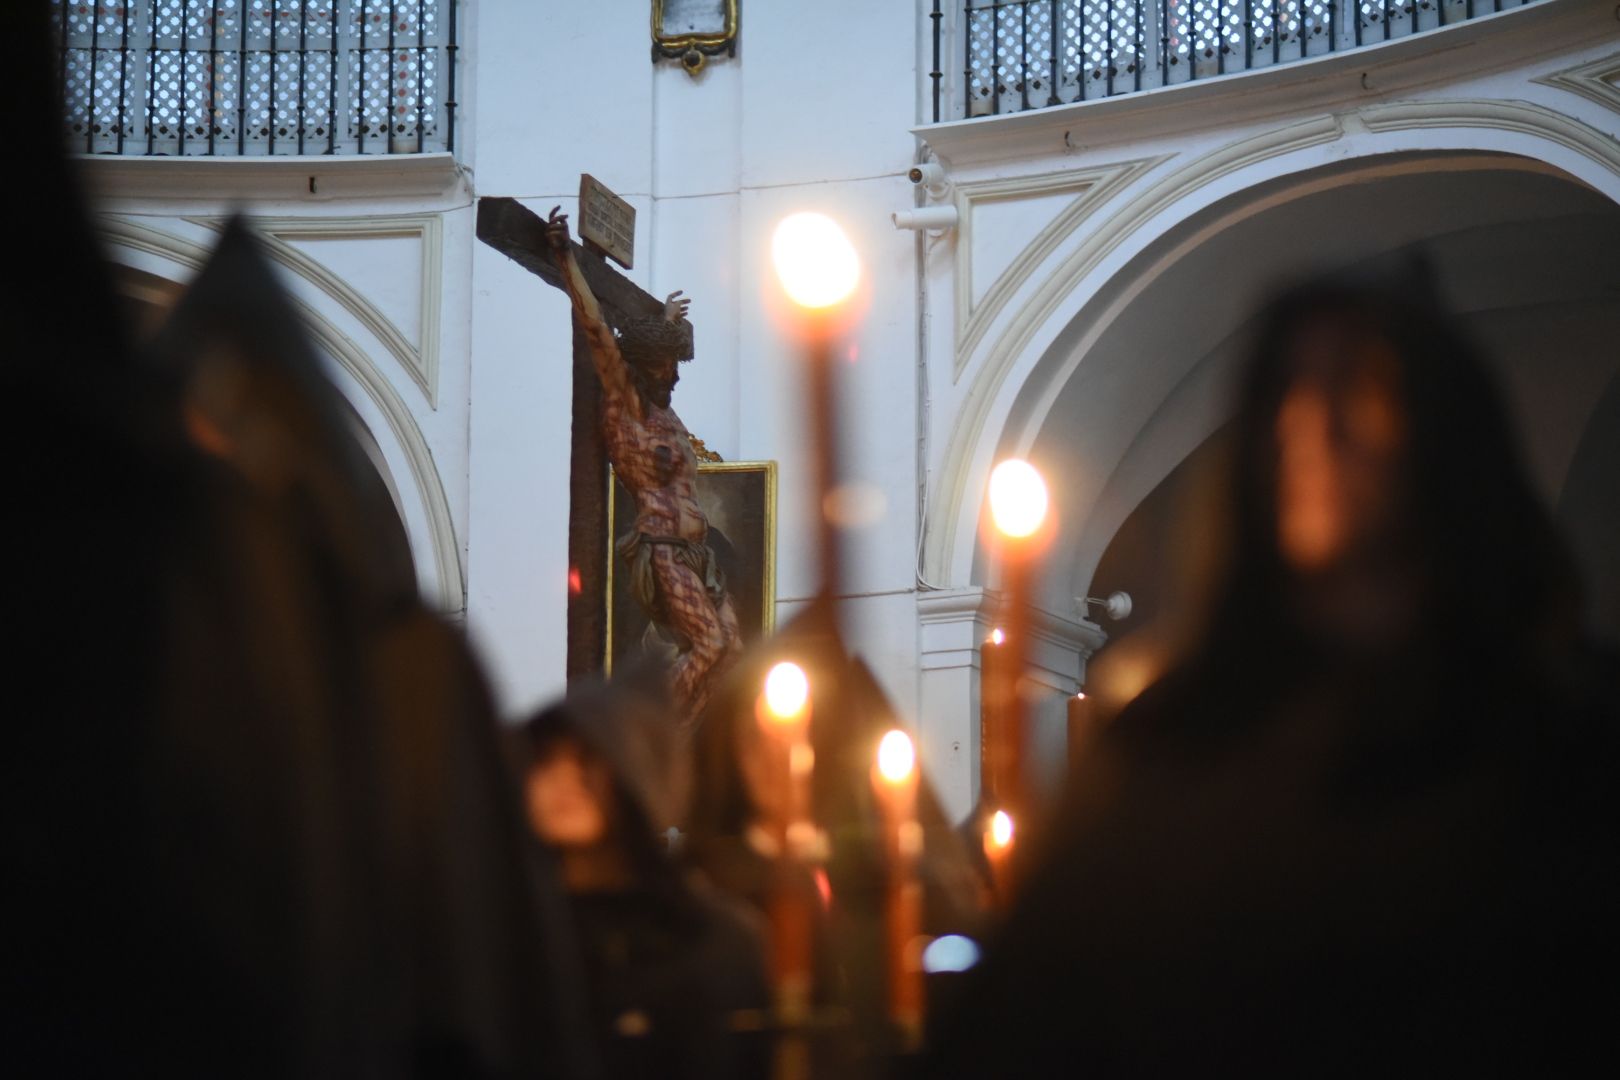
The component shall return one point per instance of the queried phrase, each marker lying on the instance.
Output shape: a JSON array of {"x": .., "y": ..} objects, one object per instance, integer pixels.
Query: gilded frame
[
  {"x": 738, "y": 497},
  {"x": 692, "y": 49}
]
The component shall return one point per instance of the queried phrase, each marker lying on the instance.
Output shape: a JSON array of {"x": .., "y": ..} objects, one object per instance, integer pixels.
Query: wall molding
[
  {"x": 1521, "y": 117},
  {"x": 421, "y": 363},
  {"x": 1598, "y": 80},
  {"x": 313, "y": 178},
  {"x": 1091, "y": 187},
  {"x": 445, "y": 549},
  {"x": 963, "y": 442}
]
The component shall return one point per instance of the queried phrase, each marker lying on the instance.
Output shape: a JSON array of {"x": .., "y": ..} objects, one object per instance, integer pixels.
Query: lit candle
[
  {"x": 1082, "y": 726},
  {"x": 1018, "y": 504},
  {"x": 819, "y": 271},
  {"x": 998, "y": 845},
  {"x": 784, "y": 715},
  {"x": 993, "y": 708},
  {"x": 896, "y": 782}
]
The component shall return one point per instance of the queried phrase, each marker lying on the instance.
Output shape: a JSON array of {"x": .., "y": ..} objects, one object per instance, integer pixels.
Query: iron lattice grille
[
  {"x": 258, "y": 77},
  {"x": 1032, "y": 53}
]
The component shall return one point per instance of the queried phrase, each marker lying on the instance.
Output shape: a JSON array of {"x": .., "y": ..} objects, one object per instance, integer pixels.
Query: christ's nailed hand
[
  {"x": 557, "y": 230},
  {"x": 675, "y": 306}
]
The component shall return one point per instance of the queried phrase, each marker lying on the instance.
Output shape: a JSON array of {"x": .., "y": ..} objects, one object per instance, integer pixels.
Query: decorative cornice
[
  {"x": 311, "y": 179},
  {"x": 436, "y": 507},
  {"x": 955, "y": 605},
  {"x": 422, "y": 364},
  {"x": 1519, "y": 116},
  {"x": 1598, "y": 80},
  {"x": 1039, "y": 307},
  {"x": 1092, "y": 187}
]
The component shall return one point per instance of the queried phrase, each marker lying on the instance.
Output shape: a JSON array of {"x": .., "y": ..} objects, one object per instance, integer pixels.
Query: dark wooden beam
[{"x": 520, "y": 234}]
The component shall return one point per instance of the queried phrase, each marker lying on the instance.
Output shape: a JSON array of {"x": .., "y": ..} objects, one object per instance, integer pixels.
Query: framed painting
[{"x": 739, "y": 500}]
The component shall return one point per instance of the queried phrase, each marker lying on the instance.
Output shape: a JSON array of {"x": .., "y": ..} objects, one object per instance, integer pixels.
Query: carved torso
[{"x": 653, "y": 457}]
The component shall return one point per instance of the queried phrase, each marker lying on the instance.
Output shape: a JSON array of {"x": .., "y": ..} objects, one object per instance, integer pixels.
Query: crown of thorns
[{"x": 644, "y": 337}]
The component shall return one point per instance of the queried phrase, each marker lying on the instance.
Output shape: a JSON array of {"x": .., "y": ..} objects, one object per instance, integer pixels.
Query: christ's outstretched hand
[{"x": 675, "y": 305}]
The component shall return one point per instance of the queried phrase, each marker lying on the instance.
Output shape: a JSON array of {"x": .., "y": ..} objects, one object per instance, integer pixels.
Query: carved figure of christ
[{"x": 672, "y": 570}]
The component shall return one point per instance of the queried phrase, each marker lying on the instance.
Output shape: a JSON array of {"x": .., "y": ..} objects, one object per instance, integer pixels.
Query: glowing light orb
[
  {"x": 787, "y": 688},
  {"x": 997, "y": 637},
  {"x": 1001, "y": 829},
  {"x": 1017, "y": 498},
  {"x": 815, "y": 261},
  {"x": 896, "y": 757},
  {"x": 952, "y": 952}
]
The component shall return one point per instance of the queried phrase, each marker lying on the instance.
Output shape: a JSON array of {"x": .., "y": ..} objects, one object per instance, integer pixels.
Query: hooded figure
[
  {"x": 1365, "y": 826},
  {"x": 261, "y": 820},
  {"x": 675, "y": 974}
]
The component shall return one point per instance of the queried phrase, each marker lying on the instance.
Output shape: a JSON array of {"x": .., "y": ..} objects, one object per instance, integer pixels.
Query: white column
[{"x": 952, "y": 623}]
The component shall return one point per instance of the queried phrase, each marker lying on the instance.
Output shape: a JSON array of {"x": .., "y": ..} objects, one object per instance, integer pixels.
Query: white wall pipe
[{"x": 932, "y": 218}]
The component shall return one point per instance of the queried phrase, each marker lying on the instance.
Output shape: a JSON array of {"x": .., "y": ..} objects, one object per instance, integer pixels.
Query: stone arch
[
  {"x": 1026, "y": 361},
  {"x": 389, "y": 432}
]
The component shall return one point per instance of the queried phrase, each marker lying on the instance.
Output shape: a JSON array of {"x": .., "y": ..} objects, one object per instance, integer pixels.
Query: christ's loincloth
[{"x": 636, "y": 548}]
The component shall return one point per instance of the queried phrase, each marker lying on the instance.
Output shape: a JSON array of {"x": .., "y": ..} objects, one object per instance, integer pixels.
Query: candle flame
[
  {"x": 1001, "y": 829},
  {"x": 1017, "y": 498},
  {"x": 997, "y": 637},
  {"x": 896, "y": 757},
  {"x": 787, "y": 688},
  {"x": 815, "y": 261}
]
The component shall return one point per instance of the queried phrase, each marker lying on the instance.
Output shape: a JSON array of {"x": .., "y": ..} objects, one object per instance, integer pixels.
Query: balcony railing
[
  {"x": 247, "y": 78},
  {"x": 1036, "y": 53}
]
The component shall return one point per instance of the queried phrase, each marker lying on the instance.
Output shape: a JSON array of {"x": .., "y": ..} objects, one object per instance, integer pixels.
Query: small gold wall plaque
[{"x": 691, "y": 31}]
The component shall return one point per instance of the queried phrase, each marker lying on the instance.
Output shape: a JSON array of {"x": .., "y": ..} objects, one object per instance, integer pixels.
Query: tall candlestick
[
  {"x": 1018, "y": 504},
  {"x": 992, "y": 715},
  {"x": 784, "y": 716},
  {"x": 998, "y": 847},
  {"x": 819, "y": 270},
  {"x": 896, "y": 782},
  {"x": 1082, "y": 726}
]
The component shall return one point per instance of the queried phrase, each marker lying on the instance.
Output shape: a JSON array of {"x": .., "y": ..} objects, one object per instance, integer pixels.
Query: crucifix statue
[{"x": 631, "y": 374}]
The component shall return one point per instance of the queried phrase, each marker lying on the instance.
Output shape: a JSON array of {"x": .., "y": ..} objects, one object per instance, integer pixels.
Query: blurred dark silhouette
[
  {"x": 261, "y": 825},
  {"x": 1366, "y": 826},
  {"x": 674, "y": 972}
]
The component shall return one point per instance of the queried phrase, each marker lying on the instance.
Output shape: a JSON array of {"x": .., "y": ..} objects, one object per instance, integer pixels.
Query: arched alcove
[
  {"x": 150, "y": 269},
  {"x": 1526, "y": 256}
]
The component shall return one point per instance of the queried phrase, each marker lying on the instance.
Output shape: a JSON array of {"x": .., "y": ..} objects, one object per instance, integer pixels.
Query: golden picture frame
[{"x": 739, "y": 500}]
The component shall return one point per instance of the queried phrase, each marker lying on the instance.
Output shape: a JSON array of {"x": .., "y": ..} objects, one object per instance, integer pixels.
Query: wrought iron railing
[
  {"x": 1031, "y": 54},
  {"x": 250, "y": 78}
]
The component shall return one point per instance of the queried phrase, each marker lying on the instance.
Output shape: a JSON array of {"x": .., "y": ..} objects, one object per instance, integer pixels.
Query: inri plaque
[{"x": 607, "y": 223}]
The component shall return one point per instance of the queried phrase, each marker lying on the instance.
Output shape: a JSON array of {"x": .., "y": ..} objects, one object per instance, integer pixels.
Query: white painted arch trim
[
  {"x": 428, "y": 520},
  {"x": 1005, "y": 365},
  {"x": 1091, "y": 189},
  {"x": 1597, "y": 80},
  {"x": 420, "y": 363}
]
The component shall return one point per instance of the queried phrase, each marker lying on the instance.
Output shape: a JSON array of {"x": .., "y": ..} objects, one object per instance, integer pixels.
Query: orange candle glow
[
  {"x": 896, "y": 783},
  {"x": 1018, "y": 505},
  {"x": 998, "y": 846},
  {"x": 784, "y": 715}
]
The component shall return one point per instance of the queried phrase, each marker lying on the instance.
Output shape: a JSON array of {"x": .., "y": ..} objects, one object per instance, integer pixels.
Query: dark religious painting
[{"x": 739, "y": 500}]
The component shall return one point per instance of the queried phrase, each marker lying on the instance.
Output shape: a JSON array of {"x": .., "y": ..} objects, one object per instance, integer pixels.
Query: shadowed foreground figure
[
  {"x": 259, "y": 825},
  {"x": 1365, "y": 827},
  {"x": 673, "y": 972}
]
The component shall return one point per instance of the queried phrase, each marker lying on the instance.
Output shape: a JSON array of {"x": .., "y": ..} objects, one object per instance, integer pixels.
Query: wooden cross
[{"x": 520, "y": 234}]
